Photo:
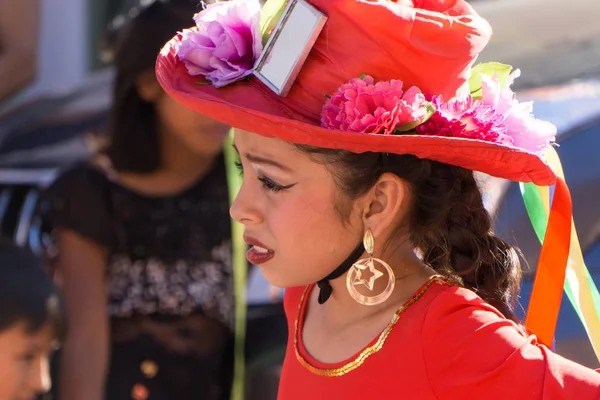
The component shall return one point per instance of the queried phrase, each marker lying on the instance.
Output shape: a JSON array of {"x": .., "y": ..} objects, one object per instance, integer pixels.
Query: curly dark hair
[{"x": 448, "y": 222}]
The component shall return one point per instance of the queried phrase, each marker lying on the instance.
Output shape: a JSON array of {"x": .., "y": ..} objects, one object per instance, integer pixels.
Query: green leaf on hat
[
  {"x": 409, "y": 126},
  {"x": 203, "y": 83},
  {"x": 269, "y": 17},
  {"x": 502, "y": 71}
]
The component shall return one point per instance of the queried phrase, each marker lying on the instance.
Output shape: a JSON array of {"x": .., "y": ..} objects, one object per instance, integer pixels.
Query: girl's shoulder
[
  {"x": 77, "y": 200},
  {"x": 471, "y": 350}
]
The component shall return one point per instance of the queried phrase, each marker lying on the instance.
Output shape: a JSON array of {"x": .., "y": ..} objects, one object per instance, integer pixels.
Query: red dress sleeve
[{"x": 471, "y": 351}]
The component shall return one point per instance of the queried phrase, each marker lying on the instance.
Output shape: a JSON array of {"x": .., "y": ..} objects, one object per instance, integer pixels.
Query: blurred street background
[
  {"x": 57, "y": 116},
  {"x": 551, "y": 41}
]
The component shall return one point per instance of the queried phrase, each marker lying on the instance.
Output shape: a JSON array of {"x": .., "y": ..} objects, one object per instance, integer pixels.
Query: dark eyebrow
[{"x": 265, "y": 161}]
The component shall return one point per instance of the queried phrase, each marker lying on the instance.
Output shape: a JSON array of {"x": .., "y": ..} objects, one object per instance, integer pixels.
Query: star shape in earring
[{"x": 376, "y": 274}]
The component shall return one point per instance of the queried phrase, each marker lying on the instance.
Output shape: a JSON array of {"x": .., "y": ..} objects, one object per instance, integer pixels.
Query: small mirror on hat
[{"x": 289, "y": 45}]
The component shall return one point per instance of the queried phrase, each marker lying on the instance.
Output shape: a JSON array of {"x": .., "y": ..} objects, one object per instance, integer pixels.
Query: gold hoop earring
[{"x": 355, "y": 276}]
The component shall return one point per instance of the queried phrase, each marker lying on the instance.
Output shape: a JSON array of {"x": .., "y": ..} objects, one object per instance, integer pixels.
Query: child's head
[{"x": 31, "y": 323}]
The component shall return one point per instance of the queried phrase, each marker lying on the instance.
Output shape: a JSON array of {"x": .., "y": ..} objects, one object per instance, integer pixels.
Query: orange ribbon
[{"x": 546, "y": 294}]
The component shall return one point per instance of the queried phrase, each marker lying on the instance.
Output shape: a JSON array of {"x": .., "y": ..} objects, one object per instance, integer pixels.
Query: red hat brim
[{"x": 251, "y": 106}]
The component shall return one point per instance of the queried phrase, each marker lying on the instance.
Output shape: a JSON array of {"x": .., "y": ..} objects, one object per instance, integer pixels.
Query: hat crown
[{"x": 431, "y": 44}]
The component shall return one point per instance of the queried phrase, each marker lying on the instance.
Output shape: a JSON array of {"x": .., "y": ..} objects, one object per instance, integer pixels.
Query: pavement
[{"x": 551, "y": 41}]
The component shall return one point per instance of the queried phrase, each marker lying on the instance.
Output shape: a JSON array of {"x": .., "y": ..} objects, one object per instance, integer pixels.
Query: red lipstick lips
[{"x": 258, "y": 253}]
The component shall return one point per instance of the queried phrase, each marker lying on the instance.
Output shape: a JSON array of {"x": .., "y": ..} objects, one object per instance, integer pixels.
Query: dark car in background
[{"x": 43, "y": 137}]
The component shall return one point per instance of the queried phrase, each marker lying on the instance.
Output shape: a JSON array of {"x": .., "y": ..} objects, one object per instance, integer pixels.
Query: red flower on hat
[{"x": 362, "y": 105}]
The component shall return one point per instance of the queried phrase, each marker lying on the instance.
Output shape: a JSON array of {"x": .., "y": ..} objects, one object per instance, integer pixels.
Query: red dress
[{"x": 445, "y": 343}]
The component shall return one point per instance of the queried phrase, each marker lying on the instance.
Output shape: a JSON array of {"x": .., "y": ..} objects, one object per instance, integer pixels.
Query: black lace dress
[{"x": 168, "y": 277}]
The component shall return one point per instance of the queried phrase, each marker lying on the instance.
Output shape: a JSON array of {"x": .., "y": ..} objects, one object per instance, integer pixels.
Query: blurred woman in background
[{"x": 143, "y": 238}]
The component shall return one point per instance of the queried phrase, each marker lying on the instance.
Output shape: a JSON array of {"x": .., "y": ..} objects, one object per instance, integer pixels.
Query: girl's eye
[
  {"x": 267, "y": 183},
  {"x": 239, "y": 166},
  {"x": 28, "y": 358},
  {"x": 273, "y": 186},
  {"x": 270, "y": 185}
]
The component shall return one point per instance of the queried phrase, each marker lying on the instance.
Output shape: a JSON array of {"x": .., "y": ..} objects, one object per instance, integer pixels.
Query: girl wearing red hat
[{"x": 359, "y": 127}]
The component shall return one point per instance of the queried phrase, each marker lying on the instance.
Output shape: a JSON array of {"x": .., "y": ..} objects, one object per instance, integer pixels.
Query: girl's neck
[
  {"x": 410, "y": 274},
  {"x": 179, "y": 169},
  {"x": 340, "y": 328},
  {"x": 180, "y": 162}
]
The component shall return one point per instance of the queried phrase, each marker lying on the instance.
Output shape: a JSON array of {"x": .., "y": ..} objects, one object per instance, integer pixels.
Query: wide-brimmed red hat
[{"x": 428, "y": 44}]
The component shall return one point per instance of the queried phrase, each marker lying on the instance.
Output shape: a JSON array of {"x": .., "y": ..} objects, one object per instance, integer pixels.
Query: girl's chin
[{"x": 279, "y": 280}]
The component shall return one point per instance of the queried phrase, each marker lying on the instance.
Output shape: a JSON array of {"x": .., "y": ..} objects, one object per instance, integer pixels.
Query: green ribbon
[
  {"x": 240, "y": 272},
  {"x": 539, "y": 220}
]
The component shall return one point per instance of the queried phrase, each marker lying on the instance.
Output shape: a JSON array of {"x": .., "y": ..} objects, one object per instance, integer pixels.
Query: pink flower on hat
[
  {"x": 362, "y": 105},
  {"x": 525, "y": 131},
  {"x": 497, "y": 117},
  {"x": 225, "y": 43}
]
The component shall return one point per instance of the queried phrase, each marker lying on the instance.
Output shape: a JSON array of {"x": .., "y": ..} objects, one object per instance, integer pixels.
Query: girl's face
[
  {"x": 287, "y": 204},
  {"x": 24, "y": 362},
  {"x": 201, "y": 134}
]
